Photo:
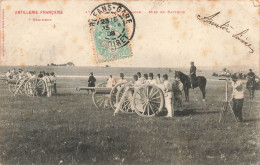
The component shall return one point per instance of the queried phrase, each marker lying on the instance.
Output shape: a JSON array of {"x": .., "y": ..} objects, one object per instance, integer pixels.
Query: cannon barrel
[
  {"x": 12, "y": 81},
  {"x": 97, "y": 90}
]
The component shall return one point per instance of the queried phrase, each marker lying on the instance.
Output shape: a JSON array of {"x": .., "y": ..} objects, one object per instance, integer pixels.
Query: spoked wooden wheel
[
  {"x": 113, "y": 93},
  {"x": 20, "y": 86},
  {"x": 148, "y": 100},
  {"x": 126, "y": 105},
  {"x": 12, "y": 87},
  {"x": 101, "y": 101},
  {"x": 35, "y": 87}
]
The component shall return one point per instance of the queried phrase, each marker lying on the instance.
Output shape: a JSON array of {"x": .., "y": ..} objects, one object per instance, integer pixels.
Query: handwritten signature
[{"x": 241, "y": 36}]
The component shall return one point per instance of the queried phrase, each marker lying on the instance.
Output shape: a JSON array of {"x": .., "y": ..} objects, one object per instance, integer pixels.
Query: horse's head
[{"x": 177, "y": 74}]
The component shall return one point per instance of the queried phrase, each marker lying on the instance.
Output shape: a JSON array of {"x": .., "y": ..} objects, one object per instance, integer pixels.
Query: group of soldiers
[
  {"x": 172, "y": 91},
  {"x": 49, "y": 78}
]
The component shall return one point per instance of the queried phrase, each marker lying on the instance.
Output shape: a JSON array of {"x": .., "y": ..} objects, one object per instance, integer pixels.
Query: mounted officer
[{"x": 192, "y": 73}]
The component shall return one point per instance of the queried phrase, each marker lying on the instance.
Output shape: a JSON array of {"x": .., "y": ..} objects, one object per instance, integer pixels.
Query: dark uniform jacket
[
  {"x": 193, "y": 71},
  {"x": 91, "y": 81}
]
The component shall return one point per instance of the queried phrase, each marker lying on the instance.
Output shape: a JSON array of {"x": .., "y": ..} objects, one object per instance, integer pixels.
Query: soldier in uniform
[
  {"x": 167, "y": 89},
  {"x": 127, "y": 93},
  {"x": 237, "y": 97},
  {"x": 146, "y": 78},
  {"x": 111, "y": 81},
  {"x": 140, "y": 78},
  {"x": 91, "y": 81},
  {"x": 151, "y": 79},
  {"x": 53, "y": 80},
  {"x": 251, "y": 84},
  {"x": 122, "y": 79},
  {"x": 159, "y": 79},
  {"x": 192, "y": 73},
  {"x": 47, "y": 81},
  {"x": 177, "y": 93}
]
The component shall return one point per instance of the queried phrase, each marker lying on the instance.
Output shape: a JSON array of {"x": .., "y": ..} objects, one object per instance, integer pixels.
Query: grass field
[{"x": 68, "y": 129}]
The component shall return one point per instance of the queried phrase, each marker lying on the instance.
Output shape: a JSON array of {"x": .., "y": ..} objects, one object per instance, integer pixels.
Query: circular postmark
[{"x": 112, "y": 25}]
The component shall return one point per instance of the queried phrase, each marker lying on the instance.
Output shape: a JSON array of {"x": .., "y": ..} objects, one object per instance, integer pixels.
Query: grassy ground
[{"x": 68, "y": 129}]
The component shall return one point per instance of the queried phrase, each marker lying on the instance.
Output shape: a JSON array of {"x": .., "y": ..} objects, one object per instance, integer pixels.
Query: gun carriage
[{"x": 145, "y": 100}]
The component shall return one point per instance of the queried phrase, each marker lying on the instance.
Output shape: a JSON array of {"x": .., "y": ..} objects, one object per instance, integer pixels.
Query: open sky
[{"x": 160, "y": 40}]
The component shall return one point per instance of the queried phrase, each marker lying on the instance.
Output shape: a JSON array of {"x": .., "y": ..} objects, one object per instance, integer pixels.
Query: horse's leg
[
  {"x": 203, "y": 91},
  {"x": 186, "y": 93},
  {"x": 188, "y": 97},
  {"x": 253, "y": 94}
]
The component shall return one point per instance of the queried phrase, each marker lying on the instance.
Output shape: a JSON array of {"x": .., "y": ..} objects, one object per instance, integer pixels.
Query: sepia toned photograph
[{"x": 129, "y": 82}]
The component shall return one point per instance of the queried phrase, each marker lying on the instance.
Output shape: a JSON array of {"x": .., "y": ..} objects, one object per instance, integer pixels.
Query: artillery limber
[{"x": 145, "y": 100}]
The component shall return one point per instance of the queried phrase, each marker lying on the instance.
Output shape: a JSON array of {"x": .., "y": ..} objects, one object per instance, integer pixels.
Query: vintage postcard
[{"x": 129, "y": 82}]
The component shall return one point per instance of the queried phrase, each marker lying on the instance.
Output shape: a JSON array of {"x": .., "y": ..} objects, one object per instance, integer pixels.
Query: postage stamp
[{"x": 112, "y": 26}]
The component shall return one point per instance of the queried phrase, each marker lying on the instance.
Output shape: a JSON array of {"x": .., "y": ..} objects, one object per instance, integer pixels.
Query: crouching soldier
[{"x": 167, "y": 89}]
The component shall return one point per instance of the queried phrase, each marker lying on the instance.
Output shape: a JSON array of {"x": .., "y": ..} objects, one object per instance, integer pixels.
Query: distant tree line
[{"x": 67, "y": 64}]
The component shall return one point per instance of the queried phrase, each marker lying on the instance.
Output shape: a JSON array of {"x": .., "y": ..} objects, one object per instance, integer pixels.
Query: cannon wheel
[
  {"x": 148, "y": 100},
  {"x": 20, "y": 86},
  {"x": 126, "y": 106},
  {"x": 35, "y": 87},
  {"x": 101, "y": 101},
  {"x": 12, "y": 87},
  {"x": 113, "y": 95}
]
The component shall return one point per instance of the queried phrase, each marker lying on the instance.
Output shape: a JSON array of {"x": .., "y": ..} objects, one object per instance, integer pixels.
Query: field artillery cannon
[
  {"x": 103, "y": 97},
  {"x": 27, "y": 86},
  {"x": 145, "y": 100}
]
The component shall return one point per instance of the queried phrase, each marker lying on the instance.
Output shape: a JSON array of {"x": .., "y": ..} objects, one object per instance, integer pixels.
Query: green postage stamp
[{"x": 112, "y": 27}]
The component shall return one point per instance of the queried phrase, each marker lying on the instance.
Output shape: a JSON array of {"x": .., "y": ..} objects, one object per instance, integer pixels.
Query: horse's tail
[{"x": 202, "y": 82}]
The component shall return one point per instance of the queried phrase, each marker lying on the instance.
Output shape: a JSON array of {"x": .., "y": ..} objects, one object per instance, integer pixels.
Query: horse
[
  {"x": 250, "y": 85},
  {"x": 199, "y": 81}
]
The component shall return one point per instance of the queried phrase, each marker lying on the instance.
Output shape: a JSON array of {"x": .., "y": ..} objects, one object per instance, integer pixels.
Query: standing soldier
[
  {"x": 111, "y": 82},
  {"x": 8, "y": 74},
  {"x": 91, "y": 81},
  {"x": 47, "y": 81},
  {"x": 237, "y": 97},
  {"x": 146, "y": 81},
  {"x": 53, "y": 82},
  {"x": 158, "y": 79},
  {"x": 192, "y": 73},
  {"x": 151, "y": 79},
  {"x": 251, "y": 84},
  {"x": 122, "y": 79},
  {"x": 140, "y": 78},
  {"x": 177, "y": 92},
  {"x": 167, "y": 89},
  {"x": 128, "y": 93}
]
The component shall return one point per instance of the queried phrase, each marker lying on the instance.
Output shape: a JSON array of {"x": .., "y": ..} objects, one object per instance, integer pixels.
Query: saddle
[{"x": 194, "y": 82}]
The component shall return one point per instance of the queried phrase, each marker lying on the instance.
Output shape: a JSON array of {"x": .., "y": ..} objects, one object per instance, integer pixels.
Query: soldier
[
  {"x": 159, "y": 79},
  {"x": 40, "y": 74},
  {"x": 53, "y": 80},
  {"x": 167, "y": 89},
  {"x": 137, "y": 80},
  {"x": 122, "y": 79},
  {"x": 8, "y": 74},
  {"x": 47, "y": 81},
  {"x": 111, "y": 81},
  {"x": 151, "y": 79},
  {"x": 251, "y": 84},
  {"x": 140, "y": 78},
  {"x": 192, "y": 74},
  {"x": 21, "y": 74},
  {"x": 237, "y": 97},
  {"x": 146, "y": 78},
  {"x": 91, "y": 81},
  {"x": 127, "y": 94},
  {"x": 177, "y": 93}
]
